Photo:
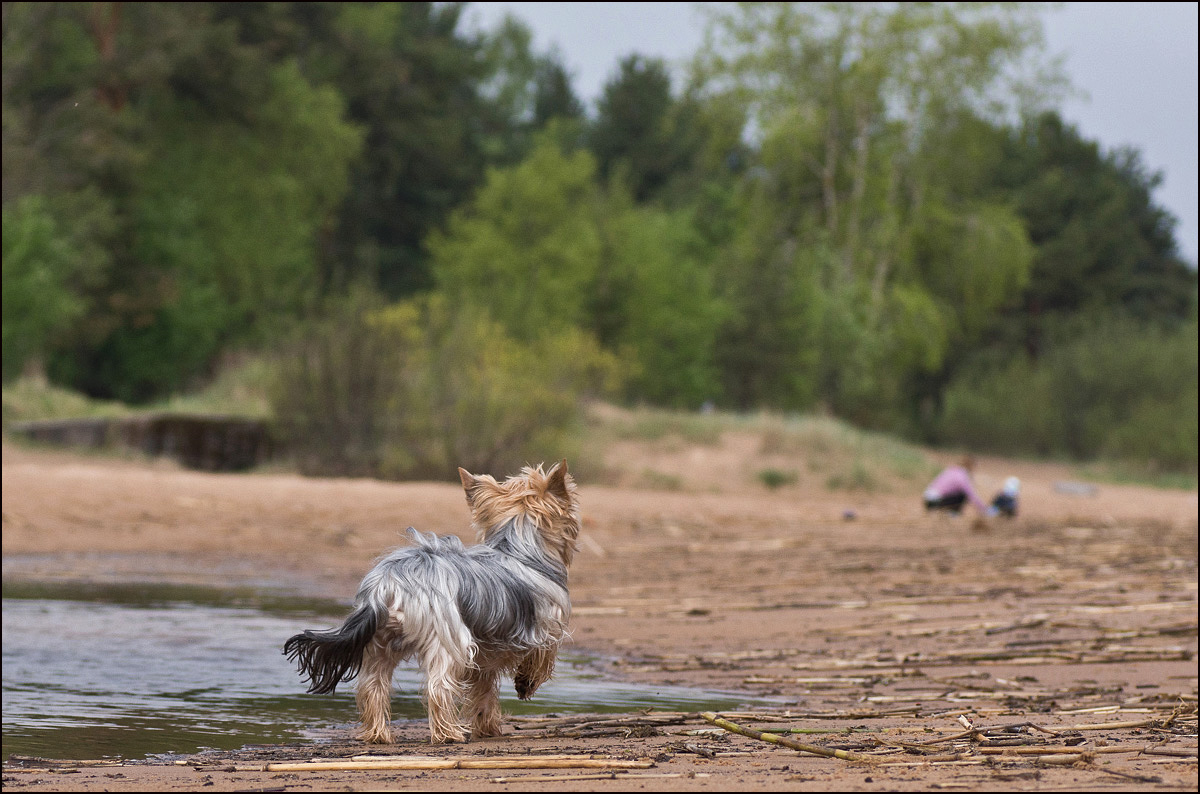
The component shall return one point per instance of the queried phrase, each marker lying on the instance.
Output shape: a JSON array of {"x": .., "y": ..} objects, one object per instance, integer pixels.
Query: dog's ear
[
  {"x": 469, "y": 482},
  {"x": 556, "y": 482}
]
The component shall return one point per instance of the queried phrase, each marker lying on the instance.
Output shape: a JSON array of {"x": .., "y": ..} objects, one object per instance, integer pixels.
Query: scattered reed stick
[
  {"x": 948, "y": 761},
  {"x": 1054, "y": 750},
  {"x": 381, "y": 758},
  {"x": 1109, "y": 726},
  {"x": 597, "y": 776},
  {"x": 1186, "y": 752},
  {"x": 426, "y": 762},
  {"x": 50, "y": 763},
  {"x": 974, "y": 733},
  {"x": 784, "y": 741}
]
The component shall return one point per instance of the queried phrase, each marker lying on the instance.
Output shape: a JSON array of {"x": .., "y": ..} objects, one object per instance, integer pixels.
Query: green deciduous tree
[
  {"x": 542, "y": 248},
  {"x": 853, "y": 106},
  {"x": 526, "y": 91},
  {"x": 526, "y": 247},
  {"x": 655, "y": 302}
]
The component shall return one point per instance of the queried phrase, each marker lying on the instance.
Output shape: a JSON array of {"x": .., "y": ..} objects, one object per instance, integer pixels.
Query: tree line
[{"x": 874, "y": 211}]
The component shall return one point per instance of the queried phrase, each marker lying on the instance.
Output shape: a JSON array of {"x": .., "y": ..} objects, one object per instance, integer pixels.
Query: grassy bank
[{"x": 782, "y": 450}]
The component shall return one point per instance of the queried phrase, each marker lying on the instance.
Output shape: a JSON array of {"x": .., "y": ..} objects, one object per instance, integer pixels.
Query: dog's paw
[
  {"x": 525, "y": 687},
  {"x": 384, "y": 737}
]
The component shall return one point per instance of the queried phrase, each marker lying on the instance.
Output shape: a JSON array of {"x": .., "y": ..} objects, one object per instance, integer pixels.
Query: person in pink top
[{"x": 952, "y": 488}]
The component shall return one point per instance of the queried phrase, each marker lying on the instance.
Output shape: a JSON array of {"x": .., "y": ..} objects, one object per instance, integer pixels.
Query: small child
[{"x": 1005, "y": 503}]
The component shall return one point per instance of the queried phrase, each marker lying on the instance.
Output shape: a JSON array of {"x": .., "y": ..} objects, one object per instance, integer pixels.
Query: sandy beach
[{"x": 1054, "y": 651}]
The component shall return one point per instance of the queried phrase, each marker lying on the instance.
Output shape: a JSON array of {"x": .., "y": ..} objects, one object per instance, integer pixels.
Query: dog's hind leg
[
  {"x": 483, "y": 702},
  {"x": 374, "y": 695},
  {"x": 444, "y": 679}
]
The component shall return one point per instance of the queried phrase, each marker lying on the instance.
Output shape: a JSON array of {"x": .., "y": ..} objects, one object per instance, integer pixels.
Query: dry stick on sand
[
  {"x": 784, "y": 741},
  {"x": 975, "y": 733},
  {"x": 420, "y": 762},
  {"x": 596, "y": 776}
]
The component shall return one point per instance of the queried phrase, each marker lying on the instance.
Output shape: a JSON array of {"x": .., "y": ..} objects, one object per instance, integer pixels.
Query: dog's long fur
[{"x": 468, "y": 614}]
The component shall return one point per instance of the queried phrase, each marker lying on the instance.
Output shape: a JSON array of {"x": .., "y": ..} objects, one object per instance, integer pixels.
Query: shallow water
[{"x": 132, "y": 671}]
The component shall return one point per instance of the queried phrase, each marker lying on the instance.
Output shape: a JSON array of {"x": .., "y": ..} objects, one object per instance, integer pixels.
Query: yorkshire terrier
[{"x": 468, "y": 614}]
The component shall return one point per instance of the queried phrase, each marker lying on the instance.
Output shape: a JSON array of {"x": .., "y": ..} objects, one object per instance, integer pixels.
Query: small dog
[{"x": 469, "y": 615}]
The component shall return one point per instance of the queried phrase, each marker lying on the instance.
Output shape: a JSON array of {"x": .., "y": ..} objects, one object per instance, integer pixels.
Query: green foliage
[
  {"x": 238, "y": 208},
  {"x": 418, "y": 388},
  {"x": 838, "y": 210},
  {"x": 205, "y": 172},
  {"x": 527, "y": 91},
  {"x": 489, "y": 401},
  {"x": 1101, "y": 243},
  {"x": 553, "y": 96},
  {"x": 632, "y": 131},
  {"x": 776, "y": 478},
  {"x": 28, "y": 399},
  {"x": 41, "y": 270},
  {"x": 412, "y": 79},
  {"x": 1120, "y": 390},
  {"x": 241, "y": 387},
  {"x": 527, "y": 246},
  {"x": 663, "y": 313},
  {"x": 541, "y": 249},
  {"x": 767, "y": 349},
  {"x": 974, "y": 259},
  {"x": 868, "y": 271},
  {"x": 439, "y": 106},
  {"x": 229, "y": 214},
  {"x": 334, "y": 382}
]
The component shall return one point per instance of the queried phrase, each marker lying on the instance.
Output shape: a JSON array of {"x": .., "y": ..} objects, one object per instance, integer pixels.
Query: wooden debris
[
  {"x": 1047, "y": 750},
  {"x": 598, "y": 776},
  {"x": 974, "y": 733},
  {"x": 54, "y": 763},
  {"x": 462, "y": 762},
  {"x": 784, "y": 741}
]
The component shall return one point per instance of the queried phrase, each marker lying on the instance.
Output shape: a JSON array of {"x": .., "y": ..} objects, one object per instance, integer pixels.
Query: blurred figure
[
  {"x": 953, "y": 488},
  {"x": 1005, "y": 503}
]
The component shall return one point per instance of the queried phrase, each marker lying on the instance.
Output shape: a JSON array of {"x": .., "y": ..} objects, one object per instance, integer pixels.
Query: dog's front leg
[{"x": 534, "y": 670}]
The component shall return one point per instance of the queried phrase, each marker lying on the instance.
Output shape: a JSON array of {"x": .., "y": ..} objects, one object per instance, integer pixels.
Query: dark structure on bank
[{"x": 198, "y": 441}]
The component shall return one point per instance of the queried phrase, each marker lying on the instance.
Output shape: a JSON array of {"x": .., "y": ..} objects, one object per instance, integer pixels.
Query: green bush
[
  {"x": 1159, "y": 432},
  {"x": 776, "y": 478},
  {"x": 331, "y": 391},
  {"x": 414, "y": 390},
  {"x": 1117, "y": 390}
]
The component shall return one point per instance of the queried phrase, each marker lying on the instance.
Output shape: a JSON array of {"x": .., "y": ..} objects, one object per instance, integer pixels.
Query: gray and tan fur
[{"x": 468, "y": 614}]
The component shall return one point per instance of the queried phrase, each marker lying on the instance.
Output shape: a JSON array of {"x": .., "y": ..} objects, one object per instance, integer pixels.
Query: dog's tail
[{"x": 327, "y": 658}]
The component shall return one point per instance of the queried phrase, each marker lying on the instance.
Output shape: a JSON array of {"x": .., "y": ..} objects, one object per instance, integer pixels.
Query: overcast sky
[{"x": 1136, "y": 63}]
